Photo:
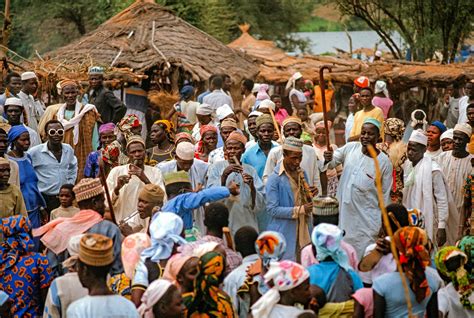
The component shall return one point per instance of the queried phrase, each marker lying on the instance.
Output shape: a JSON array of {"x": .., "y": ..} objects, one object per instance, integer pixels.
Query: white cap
[
  {"x": 266, "y": 103},
  {"x": 419, "y": 136},
  {"x": 204, "y": 109},
  {"x": 255, "y": 88},
  {"x": 255, "y": 113},
  {"x": 28, "y": 75},
  {"x": 223, "y": 111},
  {"x": 378, "y": 53},
  {"x": 381, "y": 87},
  {"x": 448, "y": 134},
  {"x": 13, "y": 101},
  {"x": 464, "y": 128},
  {"x": 185, "y": 150}
]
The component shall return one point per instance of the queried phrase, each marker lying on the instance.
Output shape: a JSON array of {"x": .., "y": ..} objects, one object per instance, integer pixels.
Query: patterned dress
[{"x": 23, "y": 273}]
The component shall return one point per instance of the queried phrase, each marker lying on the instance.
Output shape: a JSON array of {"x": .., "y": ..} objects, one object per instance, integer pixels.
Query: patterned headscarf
[
  {"x": 207, "y": 297},
  {"x": 127, "y": 123},
  {"x": 410, "y": 242},
  {"x": 285, "y": 275},
  {"x": 270, "y": 246},
  {"x": 167, "y": 126},
  {"x": 394, "y": 127},
  {"x": 17, "y": 240},
  {"x": 459, "y": 277},
  {"x": 132, "y": 246},
  {"x": 467, "y": 246},
  {"x": 111, "y": 153},
  {"x": 327, "y": 240}
]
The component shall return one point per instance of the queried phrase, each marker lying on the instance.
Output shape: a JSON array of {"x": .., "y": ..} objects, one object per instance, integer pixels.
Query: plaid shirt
[{"x": 232, "y": 258}]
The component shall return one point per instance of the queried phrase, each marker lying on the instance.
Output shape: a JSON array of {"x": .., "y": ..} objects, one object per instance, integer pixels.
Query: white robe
[
  {"x": 456, "y": 170},
  {"x": 359, "y": 211},
  {"x": 126, "y": 202},
  {"x": 426, "y": 190}
]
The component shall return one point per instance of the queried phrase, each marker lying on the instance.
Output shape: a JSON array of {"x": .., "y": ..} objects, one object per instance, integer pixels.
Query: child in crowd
[
  {"x": 66, "y": 199},
  {"x": 280, "y": 113}
]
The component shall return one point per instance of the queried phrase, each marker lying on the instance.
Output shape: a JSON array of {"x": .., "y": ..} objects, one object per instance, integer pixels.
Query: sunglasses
[{"x": 54, "y": 132}]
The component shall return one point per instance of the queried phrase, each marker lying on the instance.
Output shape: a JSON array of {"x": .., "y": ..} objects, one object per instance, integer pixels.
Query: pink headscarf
[
  {"x": 262, "y": 92},
  {"x": 109, "y": 127},
  {"x": 174, "y": 266},
  {"x": 58, "y": 232},
  {"x": 132, "y": 247},
  {"x": 152, "y": 295}
]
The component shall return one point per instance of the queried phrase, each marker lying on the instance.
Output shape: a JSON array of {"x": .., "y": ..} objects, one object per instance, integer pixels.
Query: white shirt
[
  {"x": 34, "y": 109},
  {"x": 126, "y": 202},
  {"x": 113, "y": 306},
  {"x": 450, "y": 305},
  {"x": 463, "y": 103}
]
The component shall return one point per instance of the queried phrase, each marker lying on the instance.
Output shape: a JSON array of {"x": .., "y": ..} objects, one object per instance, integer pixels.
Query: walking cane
[
  {"x": 388, "y": 228},
  {"x": 106, "y": 188},
  {"x": 322, "y": 85}
]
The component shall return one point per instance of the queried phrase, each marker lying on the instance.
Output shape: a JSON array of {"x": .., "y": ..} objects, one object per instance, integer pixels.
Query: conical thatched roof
[{"x": 128, "y": 40}]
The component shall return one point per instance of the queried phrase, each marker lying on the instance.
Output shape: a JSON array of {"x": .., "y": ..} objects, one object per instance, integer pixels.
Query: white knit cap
[
  {"x": 255, "y": 113},
  {"x": 13, "y": 101},
  {"x": 185, "y": 150},
  {"x": 378, "y": 53},
  {"x": 465, "y": 128},
  {"x": 419, "y": 137},
  {"x": 28, "y": 75},
  {"x": 204, "y": 109},
  {"x": 448, "y": 134},
  {"x": 223, "y": 111},
  {"x": 266, "y": 103}
]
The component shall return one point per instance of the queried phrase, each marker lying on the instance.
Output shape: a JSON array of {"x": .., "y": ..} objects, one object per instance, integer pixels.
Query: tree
[{"x": 425, "y": 25}]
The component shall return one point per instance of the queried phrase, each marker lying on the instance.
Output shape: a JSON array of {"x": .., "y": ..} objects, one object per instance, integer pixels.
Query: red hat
[{"x": 362, "y": 81}]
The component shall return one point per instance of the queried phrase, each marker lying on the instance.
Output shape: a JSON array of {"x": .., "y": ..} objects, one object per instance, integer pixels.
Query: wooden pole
[
  {"x": 322, "y": 85},
  {"x": 388, "y": 228},
  {"x": 103, "y": 180},
  {"x": 275, "y": 123}
]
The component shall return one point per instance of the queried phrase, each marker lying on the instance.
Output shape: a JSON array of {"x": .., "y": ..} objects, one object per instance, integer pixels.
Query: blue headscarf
[
  {"x": 327, "y": 240},
  {"x": 15, "y": 132},
  {"x": 442, "y": 128},
  {"x": 186, "y": 92}
]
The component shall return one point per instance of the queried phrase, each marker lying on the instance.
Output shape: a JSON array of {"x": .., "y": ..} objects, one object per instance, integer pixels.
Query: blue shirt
[
  {"x": 255, "y": 157},
  {"x": 202, "y": 95},
  {"x": 185, "y": 203},
  {"x": 390, "y": 287},
  {"x": 51, "y": 173},
  {"x": 324, "y": 274}
]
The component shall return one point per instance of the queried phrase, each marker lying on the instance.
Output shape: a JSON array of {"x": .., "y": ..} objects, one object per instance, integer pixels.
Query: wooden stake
[
  {"x": 322, "y": 85},
  {"x": 103, "y": 180},
  {"x": 275, "y": 123},
  {"x": 388, "y": 229}
]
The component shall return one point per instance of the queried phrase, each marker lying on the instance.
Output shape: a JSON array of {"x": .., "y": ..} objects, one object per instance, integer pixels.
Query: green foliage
[
  {"x": 318, "y": 24},
  {"x": 44, "y": 25}
]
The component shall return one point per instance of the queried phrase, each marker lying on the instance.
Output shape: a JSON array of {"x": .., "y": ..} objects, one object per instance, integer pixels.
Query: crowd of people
[{"x": 234, "y": 209}]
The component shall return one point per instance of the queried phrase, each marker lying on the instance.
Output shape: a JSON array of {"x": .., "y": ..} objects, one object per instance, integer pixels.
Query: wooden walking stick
[
  {"x": 322, "y": 85},
  {"x": 388, "y": 229},
  {"x": 103, "y": 180},
  {"x": 275, "y": 123}
]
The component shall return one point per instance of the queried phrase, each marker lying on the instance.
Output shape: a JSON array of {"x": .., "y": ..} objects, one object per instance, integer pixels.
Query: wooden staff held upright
[
  {"x": 106, "y": 188},
  {"x": 322, "y": 85}
]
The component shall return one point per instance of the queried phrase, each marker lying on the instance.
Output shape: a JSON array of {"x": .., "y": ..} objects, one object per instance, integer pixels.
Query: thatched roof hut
[
  {"x": 148, "y": 39},
  {"x": 276, "y": 67}
]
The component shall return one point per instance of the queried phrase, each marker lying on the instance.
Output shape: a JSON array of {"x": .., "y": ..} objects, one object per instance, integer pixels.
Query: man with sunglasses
[{"x": 54, "y": 162}]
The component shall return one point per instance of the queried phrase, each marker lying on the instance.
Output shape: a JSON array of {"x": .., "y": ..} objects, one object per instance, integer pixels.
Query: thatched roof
[
  {"x": 276, "y": 67},
  {"x": 128, "y": 40}
]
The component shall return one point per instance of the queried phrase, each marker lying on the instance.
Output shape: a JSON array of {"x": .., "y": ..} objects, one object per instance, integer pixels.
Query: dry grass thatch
[
  {"x": 146, "y": 35},
  {"x": 276, "y": 67}
]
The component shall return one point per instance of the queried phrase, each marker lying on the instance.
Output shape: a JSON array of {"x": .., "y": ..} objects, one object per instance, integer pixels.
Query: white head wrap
[
  {"x": 185, "y": 150},
  {"x": 419, "y": 137},
  {"x": 223, "y": 111},
  {"x": 292, "y": 80},
  {"x": 165, "y": 232},
  {"x": 378, "y": 53},
  {"x": 28, "y": 75},
  {"x": 448, "y": 134},
  {"x": 266, "y": 103},
  {"x": 464, "y": 128},
  {"x": 13, "y": 101},
  {"x": 286, "y": 275},
  {"x": 204, "y": 248},
  {"x": 152, "y": 295},
  {"x": 204, "y": 109},
  {"x": 381, "y": 87},
  {"x": 415, "y": 121}
]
